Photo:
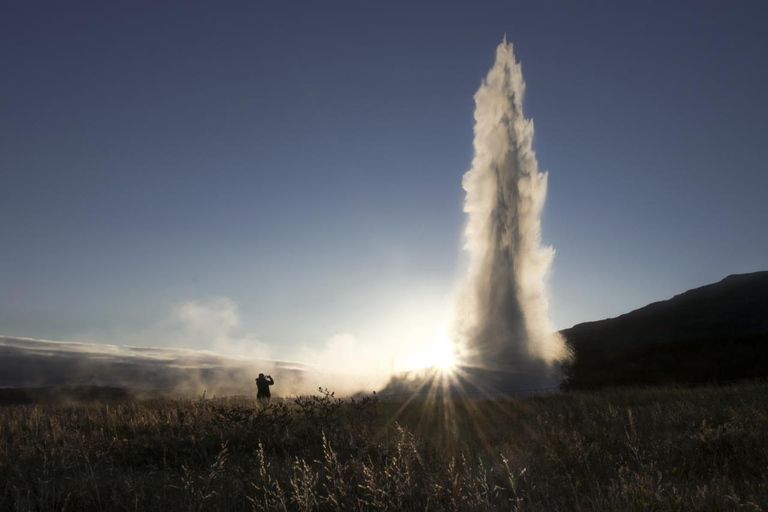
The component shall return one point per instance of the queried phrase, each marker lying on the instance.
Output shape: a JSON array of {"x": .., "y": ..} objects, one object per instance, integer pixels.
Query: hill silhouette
[{"x": 714, "y": 333}]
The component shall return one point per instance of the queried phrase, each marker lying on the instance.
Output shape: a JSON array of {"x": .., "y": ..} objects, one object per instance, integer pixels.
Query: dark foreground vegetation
[
  {"x": 72, "y": 394},
  {"x": 653, "y": 449}
]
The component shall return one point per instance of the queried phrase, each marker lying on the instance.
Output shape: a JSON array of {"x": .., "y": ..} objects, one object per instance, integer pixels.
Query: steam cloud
[
  {"x": 227, "y": 366},
  {"x": 507, "y": 341},
  {"x": 31, "y": 363},
  {"x": 26, "y": 362}
]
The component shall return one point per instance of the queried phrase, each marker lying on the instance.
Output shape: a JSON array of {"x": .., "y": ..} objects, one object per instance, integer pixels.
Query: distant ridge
[
  {"x": 718, "y": 331},
  {"x": 737, "y": 304}
]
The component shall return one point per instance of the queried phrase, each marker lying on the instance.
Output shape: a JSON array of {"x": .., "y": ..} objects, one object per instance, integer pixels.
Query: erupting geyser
[{"x": 506, "y": 340}]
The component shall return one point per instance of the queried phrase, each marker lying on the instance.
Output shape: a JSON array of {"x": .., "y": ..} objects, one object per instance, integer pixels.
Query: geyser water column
[{"x": 506, "y": 341}]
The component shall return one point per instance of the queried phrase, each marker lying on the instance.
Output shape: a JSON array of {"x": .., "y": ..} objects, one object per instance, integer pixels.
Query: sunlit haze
[{"x": 437, "y": 352}]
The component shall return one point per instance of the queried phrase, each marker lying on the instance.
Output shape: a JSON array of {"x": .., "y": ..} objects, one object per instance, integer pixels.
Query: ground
[{"x": 624, "y": 449}]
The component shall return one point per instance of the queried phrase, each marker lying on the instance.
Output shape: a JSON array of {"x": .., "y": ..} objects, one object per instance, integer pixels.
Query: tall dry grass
[{"x": 654, "y": 449}]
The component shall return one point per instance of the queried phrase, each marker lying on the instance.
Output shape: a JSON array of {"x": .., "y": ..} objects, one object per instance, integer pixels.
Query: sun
[
  {"x": 442, "y": 357},
  {"x": 436, "y": 353}
]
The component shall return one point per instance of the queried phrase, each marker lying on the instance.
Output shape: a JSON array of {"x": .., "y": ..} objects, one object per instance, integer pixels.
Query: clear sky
[{"x": 298, "y": 164}]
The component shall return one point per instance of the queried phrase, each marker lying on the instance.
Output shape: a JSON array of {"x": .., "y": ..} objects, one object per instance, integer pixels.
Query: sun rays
[
  {"x": 451, "y": 400},
  {"x": 450, "y": 405}
]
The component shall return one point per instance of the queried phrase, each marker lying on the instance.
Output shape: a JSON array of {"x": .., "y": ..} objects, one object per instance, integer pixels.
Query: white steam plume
[{"x": 503, "y": 312}]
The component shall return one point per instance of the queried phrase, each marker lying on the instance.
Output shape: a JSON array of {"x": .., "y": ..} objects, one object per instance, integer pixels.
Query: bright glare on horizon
[{"x": 437, "y": 352}]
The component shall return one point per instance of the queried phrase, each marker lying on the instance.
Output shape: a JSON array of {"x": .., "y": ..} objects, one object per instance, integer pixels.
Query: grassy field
[{"x": 652, "y": 449}]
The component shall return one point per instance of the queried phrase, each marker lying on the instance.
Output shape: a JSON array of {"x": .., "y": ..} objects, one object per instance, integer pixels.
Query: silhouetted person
[{"x": 263, "y": 383}]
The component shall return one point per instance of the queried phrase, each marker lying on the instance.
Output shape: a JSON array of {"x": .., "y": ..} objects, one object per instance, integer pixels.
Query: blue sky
[{"x": 302, "y": 162}]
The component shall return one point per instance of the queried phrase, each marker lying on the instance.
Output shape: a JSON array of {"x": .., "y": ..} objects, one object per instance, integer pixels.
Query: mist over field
[{"x": 31, "y": 363}]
